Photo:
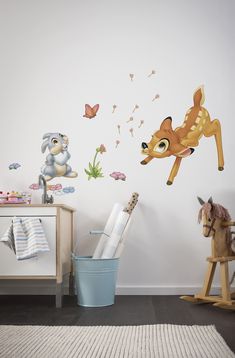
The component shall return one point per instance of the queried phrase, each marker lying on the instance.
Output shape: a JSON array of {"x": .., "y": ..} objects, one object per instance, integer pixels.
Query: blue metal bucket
[{"x": 95, "y": 280}]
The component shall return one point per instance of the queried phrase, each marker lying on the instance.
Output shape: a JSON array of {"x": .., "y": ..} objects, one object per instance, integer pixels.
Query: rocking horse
[{"x": 216, "y": 224}]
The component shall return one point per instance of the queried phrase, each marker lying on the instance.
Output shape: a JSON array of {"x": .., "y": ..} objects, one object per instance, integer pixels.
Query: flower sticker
[
  {"x": 117, "y": 143},
  {"x": 141, "y": 123},
  {"x": 135, "y": 108},
  {"x": 54, "y": 187},
  {"x": 95, "y": 170},
  {"x": 34, "y": 186},
  {"x": 153, "y": 72},
  {"x": 14, "y": 166},
  {"x": 118, "y": 176},
  {"x": 68, "y": 189},
  {"x": 130, "y": 119},
  {"x": 101, "y": 149},
  {"x": 114, "y": 108},
  {"x": 155, "y": 97}
]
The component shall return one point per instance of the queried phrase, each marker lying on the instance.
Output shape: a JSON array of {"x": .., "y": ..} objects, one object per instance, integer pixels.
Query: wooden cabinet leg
[
  {"x": 224, "y": 281},
  {"x": 59, "y": 295},
  {"x": 71, "y": 284},
  {"x": 208, "y": 279}
]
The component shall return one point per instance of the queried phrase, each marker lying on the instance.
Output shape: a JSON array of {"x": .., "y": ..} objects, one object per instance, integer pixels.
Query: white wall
[{"x": 58, "y": 55}]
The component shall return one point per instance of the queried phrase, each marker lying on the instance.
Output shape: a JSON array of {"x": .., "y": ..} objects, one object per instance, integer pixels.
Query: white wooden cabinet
[{"x": 57, "y": 222}]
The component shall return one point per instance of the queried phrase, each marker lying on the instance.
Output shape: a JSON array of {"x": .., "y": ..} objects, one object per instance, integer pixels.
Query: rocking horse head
[{"x": 214, "y": 218}]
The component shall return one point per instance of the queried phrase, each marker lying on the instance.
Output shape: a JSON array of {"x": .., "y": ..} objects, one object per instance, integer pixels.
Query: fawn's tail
[{"x": 199, "y": 97}]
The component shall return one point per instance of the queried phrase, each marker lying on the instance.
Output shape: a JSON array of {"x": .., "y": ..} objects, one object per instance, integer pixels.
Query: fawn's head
[{"x": 165, "y": 142}]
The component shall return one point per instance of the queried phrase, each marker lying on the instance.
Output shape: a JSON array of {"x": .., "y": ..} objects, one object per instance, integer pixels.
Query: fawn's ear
[{"x": 166, "y": 124}]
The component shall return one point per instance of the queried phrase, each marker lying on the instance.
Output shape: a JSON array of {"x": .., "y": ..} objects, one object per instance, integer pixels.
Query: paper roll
[
  {"x": 119, "y": 250},
  {"x": 117, "y": 208},
  {"x": 113, "y": 241},
  {"x": 121, "y": 244}
]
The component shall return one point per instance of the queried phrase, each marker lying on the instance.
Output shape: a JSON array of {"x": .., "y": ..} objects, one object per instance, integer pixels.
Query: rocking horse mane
[{"x": 214, "y": 211}]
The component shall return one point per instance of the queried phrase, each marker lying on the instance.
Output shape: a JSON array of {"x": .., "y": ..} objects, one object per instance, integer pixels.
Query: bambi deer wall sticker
[{"x": 179, "y": 142}]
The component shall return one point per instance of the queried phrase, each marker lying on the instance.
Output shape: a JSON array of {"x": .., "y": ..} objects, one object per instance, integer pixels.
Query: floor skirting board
[
  {"x": 42, "y": 288},
  {"x": 162, "y": 290}
]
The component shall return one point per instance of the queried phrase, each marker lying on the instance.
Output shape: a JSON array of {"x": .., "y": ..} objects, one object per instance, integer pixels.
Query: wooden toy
[{"x": 216, "y": 225}]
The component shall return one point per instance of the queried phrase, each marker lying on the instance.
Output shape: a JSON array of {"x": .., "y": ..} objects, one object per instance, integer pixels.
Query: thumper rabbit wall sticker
[{"x": 57, "y": 159}]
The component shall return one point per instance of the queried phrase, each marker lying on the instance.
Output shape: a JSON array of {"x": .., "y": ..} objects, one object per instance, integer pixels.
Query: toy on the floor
[
  {"x": 179, "y": 142},
  {"x": 216, "y": 225}
]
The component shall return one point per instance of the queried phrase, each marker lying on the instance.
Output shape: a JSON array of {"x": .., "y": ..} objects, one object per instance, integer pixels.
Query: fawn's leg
[
  {"x": 214, "y": 128},
  {"x": 174, "y": 170}
]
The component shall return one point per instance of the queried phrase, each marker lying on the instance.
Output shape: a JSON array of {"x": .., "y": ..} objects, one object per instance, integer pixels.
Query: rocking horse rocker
[{"x": 216, "y": 224}]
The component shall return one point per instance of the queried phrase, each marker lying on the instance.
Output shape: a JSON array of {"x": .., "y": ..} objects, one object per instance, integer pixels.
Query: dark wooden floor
[{"x": 127, "y": 310}]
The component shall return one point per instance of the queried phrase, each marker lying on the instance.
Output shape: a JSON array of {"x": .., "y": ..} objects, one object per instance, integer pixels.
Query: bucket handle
[
  {"x": 91, "y": 232},
  {"x": 97, "y": 232}
]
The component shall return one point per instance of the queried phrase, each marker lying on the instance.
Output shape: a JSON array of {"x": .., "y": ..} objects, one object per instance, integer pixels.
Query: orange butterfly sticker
[{"x": 90, "y": 112}]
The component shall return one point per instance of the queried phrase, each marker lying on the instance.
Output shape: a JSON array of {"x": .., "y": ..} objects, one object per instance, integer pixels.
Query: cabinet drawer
[{"x": 42, "y": 265}]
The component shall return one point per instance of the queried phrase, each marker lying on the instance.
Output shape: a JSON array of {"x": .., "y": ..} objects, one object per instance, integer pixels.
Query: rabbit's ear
[
  {"x": 47, "y": 135},
  {"x": 44, "y": 145}
]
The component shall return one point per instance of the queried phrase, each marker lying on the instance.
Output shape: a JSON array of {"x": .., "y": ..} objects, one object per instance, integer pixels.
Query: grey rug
[{"x": 163, "y": 341}]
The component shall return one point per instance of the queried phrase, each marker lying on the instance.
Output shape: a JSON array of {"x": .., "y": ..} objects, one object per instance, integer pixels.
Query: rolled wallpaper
[
  {"x": 117, "y": 208},
  {"x": 121, "y": 244},
  {"x": 113, "y": 242}
]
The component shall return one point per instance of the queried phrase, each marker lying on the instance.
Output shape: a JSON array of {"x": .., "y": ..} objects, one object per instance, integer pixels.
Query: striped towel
[
  {"x": 25, "y": 237},
  {"x": 8, "y": 238}
]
